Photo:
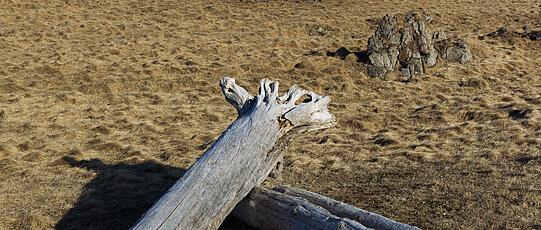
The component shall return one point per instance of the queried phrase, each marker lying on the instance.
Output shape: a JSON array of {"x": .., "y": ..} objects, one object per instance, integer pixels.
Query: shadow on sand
[{"x": 121, "y": 193}]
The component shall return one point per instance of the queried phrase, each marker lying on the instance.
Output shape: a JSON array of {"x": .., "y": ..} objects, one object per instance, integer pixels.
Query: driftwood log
[
  {"x": 290, "y": 208},
  {"x": 240, "y": 159},
  {"x": 268, "y": 209}
]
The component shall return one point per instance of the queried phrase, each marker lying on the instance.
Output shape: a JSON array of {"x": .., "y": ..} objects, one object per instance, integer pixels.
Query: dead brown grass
[{"x": 103, "y": 105}]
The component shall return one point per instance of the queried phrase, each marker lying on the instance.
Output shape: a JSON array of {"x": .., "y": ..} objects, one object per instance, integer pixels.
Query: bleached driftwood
[
  {"x": 240, "y": 159},
  {"x": 290, "y": 208},
  {"x": 268, "y": 210},
  {"x": 366, "y": 218}
]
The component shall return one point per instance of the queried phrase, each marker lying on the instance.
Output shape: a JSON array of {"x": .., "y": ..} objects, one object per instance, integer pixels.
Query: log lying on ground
[
  {"x": 366, "y": 218},
  {"x": 268, "y": 209},
  {"x": 240, "y": 159},
  {"x": 297, "y": 209}
]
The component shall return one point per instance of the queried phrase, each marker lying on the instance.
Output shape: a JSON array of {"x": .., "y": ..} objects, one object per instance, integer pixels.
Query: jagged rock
[
  {"x": 412, "y": 67},
  {"x": 426, "y": 17},
  {"x": 383, "y": 46},
  {"x": 454, "y": 50},
  {"x": 416, "y": 47},
  {"x": 439, "y": 35},
  {"x": 377, "y": 72},
  {"x": 406, "y": 44}
]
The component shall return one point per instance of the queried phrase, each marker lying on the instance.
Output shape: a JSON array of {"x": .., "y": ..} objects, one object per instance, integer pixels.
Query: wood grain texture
[
  {"x": 240, "y": 159},
  {"x": 366, "y": 218},
  {"x": 267, "y": 210}
]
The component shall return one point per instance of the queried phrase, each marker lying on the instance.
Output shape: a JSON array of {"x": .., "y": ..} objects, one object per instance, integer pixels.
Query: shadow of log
[{"x": 119, "y": 195}]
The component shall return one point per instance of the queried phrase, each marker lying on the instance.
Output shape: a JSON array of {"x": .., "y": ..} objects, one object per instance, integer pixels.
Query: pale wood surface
[
  {"x": 240, "y": 159},
  {"x": 268, "y": 210},
  {"x": 366, "y": 218}
]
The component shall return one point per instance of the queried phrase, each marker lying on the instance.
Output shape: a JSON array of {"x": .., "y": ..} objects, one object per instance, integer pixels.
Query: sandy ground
[{"x": 104, "y": 105}]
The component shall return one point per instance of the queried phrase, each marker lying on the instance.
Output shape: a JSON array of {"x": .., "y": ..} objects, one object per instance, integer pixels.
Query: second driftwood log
[{"x": 288, "y": 208}]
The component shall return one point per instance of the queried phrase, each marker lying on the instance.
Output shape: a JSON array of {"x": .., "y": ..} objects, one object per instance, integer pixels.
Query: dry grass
[{"x": 103, "y": 106}]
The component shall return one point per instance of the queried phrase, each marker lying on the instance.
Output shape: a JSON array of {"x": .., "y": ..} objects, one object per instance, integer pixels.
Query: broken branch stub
[{"x": 240, "y": 159}]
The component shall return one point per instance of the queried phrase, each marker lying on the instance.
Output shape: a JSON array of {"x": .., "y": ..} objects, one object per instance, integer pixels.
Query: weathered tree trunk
[
  {"x": 268, "y": 210},
  {"x": 240, "y": 159},
  {"x": 290, "y": 208},
  {"x": 368, "y": 219}
]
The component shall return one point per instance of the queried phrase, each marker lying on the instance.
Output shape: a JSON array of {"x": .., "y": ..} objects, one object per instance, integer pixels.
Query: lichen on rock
[
  {"x": 404, "y": 43},
  {"x": 454, "y": 50}
]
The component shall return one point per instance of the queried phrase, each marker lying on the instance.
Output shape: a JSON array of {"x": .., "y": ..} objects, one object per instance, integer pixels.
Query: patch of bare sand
[{"x": 102, "y": 106}]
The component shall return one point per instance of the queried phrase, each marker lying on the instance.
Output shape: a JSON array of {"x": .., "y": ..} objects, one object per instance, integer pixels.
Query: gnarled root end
[
  {"x": 311, "y": 114},
  {"x": 234, "y": 94}
]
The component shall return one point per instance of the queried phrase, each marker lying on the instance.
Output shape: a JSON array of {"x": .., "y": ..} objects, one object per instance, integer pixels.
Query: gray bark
[
  {"x": 268, "y": 210},
  {"x": 240, "y": 159},
  {"x": 343, "y": 210}
]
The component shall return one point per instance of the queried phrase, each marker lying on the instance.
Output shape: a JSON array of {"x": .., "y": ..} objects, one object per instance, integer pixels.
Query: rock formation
[
  {"x": 383, "y": 47},
  {"x": 406, "y": 44},
  {"x": 454, "y": 50}
]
